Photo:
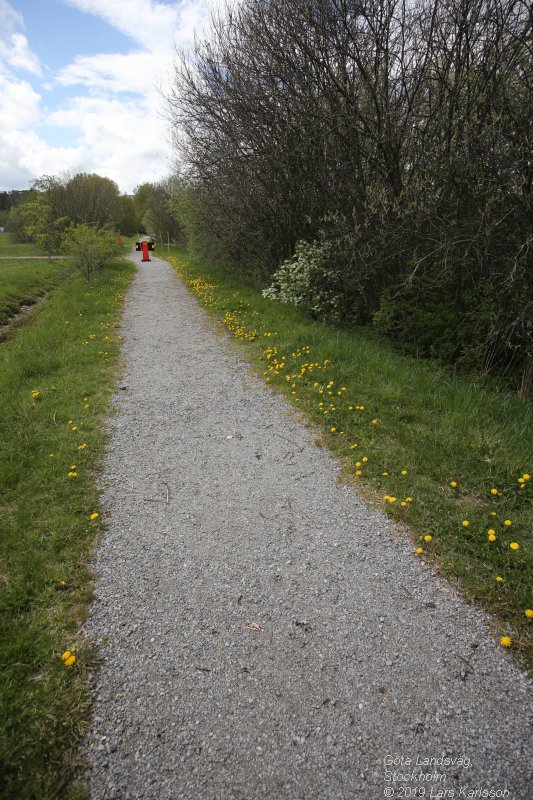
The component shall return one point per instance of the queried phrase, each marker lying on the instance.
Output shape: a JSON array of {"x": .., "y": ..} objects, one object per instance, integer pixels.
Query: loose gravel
[{"x": 264, "y": 633}]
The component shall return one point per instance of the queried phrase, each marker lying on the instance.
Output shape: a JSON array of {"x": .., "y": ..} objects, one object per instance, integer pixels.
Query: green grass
[
  {"x": 23, "y": 282},
  {"x": 10, "y": 248},
  {"x": 55, "y": 379},
  {"x": 417, "y": 418}
]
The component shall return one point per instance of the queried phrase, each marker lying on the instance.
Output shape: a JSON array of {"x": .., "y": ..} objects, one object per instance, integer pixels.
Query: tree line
[
  {"x": 372, "y": 161},
  {"x": 81, "y": 215},
  {"x": 54, "y": 203}
]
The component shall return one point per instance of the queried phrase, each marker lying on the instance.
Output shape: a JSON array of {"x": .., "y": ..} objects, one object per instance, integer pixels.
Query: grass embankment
[
  {"x": 23, "y": 282},
  {"x": 450, "y": 458},
  {"x": 55, "y": 379}
]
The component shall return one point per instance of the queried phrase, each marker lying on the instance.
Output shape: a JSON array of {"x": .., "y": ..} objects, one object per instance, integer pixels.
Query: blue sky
[{"x": 79, "y": 86}]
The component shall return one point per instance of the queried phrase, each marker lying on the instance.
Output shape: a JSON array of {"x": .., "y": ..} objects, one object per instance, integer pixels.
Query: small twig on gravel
[{"x": 168, "y": 492}]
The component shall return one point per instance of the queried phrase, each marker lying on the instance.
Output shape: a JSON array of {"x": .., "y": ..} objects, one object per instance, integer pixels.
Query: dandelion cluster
[
  {"x": 69, "y": 657},
  {"x": 310, "y": 382}
]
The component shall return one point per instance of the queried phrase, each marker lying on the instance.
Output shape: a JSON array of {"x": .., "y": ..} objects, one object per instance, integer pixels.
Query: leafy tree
[
  {"x": 89, "y": 199},
  {"x": 398, "y": 132},
  {"x": 155, "y": 207},
  {"x": 40, "y": 224},
  {"x": 90, "y": 247}
]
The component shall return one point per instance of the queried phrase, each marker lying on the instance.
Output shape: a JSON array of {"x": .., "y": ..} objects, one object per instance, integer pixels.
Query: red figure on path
[{"x": 145, "y": 257}]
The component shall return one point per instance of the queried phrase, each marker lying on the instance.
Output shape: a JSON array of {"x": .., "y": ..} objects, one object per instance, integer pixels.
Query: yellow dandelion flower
[
  {"x": 492, "y": 537},
  {"x": 409, "y": 499},
  {"x": 403, "y": 504},
  {"x": 465, "y": 523},
  {"x": 428, "y": 537},
  {"x": 384, "y": 474},
  {"x": 94, "y": 515},
  {"x": 419, "y": 550},
  {"x": 72, "y": 474},
  {"x": 374, "y": 422},
  {"x": 529, "y": 613},
  {"x": 70, "y": 661},
  {"x": 506, "y": 641},
  {"x": 499, "y": 579},
  {"x": 333, "y": 430},
  {"x": 507, "y": 523},
  {"x": 514, "y": 546},
  {"x": 494, "y": 491},
  {"x": 364, "y": 459},
  {"x": 526, "y": 476},
  {"x": 74, "y": 428},
  {"x": 358, "y": 472},
  {"x": 392, "y": 499},
  {"x": 492, "y": 513},
  {"x": 404, "y": 472},
  {"x": 491, "y": 531},
  {"x": 453, "y": 484},
  {"x": 82, "y": 446}
]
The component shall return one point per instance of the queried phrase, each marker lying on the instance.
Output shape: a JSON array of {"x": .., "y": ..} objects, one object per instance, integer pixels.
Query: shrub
[
  {"x": 90, "y": 246},
  {"x": 310, "y": 281}
]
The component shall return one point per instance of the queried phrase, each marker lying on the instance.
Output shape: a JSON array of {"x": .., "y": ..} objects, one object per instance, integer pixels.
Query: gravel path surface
[{"x": 264, "y": 634}]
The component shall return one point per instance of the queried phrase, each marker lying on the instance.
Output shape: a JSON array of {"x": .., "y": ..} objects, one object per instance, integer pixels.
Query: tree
[
  {"x": 90, "y": 247},
  {"x": 40, "y": 224},
  {"x": 399, "y": 133},
  {"x": 129, "y": 221},
  {"x": 155, "y": 207},
  {"x": 89, "y": 199}
]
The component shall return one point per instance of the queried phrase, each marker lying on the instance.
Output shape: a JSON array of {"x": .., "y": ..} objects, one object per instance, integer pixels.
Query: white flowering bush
[{"x": 307, "y": 280}]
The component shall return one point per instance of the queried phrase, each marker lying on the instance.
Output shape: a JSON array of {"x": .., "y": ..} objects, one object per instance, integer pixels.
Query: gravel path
[{"x": 264, "y": 634}]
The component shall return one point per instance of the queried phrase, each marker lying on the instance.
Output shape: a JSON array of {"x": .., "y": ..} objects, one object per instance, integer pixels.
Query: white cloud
[
  {"x": 19, "y": 103},
  {"x": 116, "y": 123},
  {"x": 158, "y": 28},
  {"x": 137, "y": 72},
  {"x": 148, "y": 22},
  {"x": 123, "y": 140},
  {"x": 24, "y": 156},
  {"x": 15, "y": 52}
]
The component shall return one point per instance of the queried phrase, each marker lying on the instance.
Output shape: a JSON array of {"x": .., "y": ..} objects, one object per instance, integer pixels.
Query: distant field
[
  {"x": 10, "y": 248},
  {"x": 23, "y": 281}
]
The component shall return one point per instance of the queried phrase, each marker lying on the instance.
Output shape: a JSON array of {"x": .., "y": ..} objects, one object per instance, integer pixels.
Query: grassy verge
[
  {"x": 10, "y": 248},
  {"x": 449, "y": 458},
  {"x": 55, "y": 380},
  {"x": 23, "y": 282}
]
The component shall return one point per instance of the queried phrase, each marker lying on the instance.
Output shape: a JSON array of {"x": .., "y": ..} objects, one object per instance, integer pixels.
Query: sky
[{"x": 81, "y": 84}]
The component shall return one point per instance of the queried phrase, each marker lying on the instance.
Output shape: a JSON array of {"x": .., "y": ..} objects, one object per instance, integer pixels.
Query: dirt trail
[{"x": 264, "y": 633}]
